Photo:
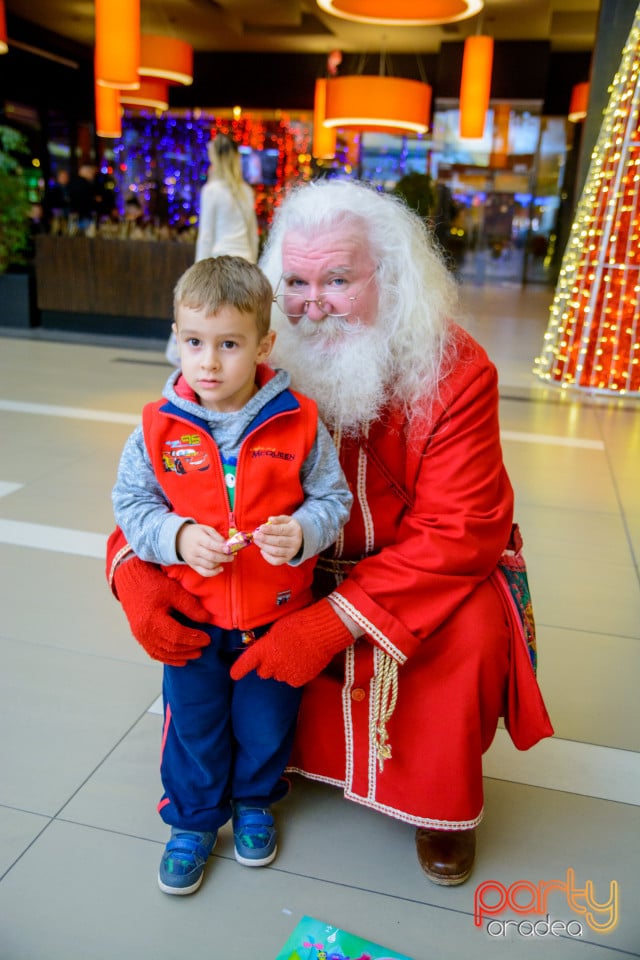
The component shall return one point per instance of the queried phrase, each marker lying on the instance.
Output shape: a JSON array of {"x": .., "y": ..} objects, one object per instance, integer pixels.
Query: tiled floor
[{"x": 80, "y": 839}]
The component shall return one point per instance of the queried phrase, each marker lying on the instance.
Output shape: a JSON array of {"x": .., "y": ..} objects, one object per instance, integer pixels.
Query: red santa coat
[{"x": 416, "y": 568}]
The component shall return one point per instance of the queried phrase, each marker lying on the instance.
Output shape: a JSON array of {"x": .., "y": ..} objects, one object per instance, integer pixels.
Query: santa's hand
[
  {"x": 298, "y": 647},
  {"x": 157, "y": 609}
]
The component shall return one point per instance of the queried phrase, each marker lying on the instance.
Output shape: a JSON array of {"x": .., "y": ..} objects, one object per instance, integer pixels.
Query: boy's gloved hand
[
  {"x": 157, "y": 608},
  {"x": 298, "y": 647}
]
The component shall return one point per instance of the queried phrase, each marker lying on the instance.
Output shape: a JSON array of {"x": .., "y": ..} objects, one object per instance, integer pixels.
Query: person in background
[
  {"x": 134, "y": 218},
  {"x": 159, "y": 204},
  {"x": 82, "y": 196},
  {"x": 57, "y": 201},
  {"x": 232, "y": 484},
  {"x": 227, "y": 221},
  {"x": 105, "y": 196},
  {"x": 416, "y": 644}
]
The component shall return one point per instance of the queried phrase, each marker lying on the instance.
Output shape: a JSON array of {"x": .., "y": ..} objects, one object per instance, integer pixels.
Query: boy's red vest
[{"x": 187, "y": 464}]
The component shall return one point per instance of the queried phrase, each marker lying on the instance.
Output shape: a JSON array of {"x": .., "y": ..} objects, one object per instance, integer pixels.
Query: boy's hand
[
  {"x": 278, "y": 540},
  {"x": 202, "y": 548}
]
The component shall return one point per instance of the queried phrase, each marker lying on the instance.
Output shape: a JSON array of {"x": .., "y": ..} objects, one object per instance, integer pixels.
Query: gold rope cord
[{"x": 385, "y": 697}]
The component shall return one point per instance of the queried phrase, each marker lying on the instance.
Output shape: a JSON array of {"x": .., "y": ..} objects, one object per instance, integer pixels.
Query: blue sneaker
[
  {"x": 183, "y": 860},
  {"x": 254, "y": 834}
]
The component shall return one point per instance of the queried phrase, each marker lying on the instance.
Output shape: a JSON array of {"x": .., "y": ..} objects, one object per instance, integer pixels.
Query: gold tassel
[{"x": 385, "y": 697}]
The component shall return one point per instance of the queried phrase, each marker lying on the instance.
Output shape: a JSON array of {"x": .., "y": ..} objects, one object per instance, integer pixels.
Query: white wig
[{"x": 417, "y": 295}]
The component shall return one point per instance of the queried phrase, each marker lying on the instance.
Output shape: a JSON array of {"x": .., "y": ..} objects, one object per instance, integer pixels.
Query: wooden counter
[{"x": 109, "y": 285}]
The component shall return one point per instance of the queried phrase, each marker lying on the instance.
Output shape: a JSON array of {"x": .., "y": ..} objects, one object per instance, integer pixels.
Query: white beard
[{"x": 345, "y": 367}]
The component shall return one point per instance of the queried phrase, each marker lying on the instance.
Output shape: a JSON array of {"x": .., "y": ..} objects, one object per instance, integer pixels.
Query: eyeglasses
[{"x": 294, "y": 304}]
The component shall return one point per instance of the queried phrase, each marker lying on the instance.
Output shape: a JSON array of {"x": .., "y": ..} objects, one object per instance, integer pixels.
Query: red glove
[
  {"x": 156, "y": 607},
  {"x": 298, "y": 647}
]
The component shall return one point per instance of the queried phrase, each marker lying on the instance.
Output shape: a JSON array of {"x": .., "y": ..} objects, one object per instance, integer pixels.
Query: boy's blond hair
[{"x": 226, "y": 282}]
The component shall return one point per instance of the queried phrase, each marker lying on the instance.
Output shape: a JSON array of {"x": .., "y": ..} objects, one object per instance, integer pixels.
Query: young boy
[{"x": 234, "y": 486}]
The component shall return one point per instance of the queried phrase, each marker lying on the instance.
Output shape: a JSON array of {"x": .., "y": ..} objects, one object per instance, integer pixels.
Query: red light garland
[{"x": 593, "y": 337}]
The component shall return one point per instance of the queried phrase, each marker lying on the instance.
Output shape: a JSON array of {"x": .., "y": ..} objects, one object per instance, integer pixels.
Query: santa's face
[
  {"x": 331, "y": 276},
  {"x": 336, "y": 350}
]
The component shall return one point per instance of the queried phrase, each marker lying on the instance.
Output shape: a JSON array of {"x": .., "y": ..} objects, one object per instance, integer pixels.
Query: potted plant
[{"x": 16, "y": 280}]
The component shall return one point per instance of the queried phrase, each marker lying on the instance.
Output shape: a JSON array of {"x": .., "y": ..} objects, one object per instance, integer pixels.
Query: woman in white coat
[{"x": 227, "y": 223}]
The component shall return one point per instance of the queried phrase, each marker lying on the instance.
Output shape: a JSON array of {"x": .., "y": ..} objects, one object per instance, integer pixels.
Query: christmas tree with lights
[{"x": 591, "y": 341}]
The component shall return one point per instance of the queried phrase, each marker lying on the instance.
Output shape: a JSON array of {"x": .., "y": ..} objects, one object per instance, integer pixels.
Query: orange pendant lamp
[
  {"x": 499, "y": 157},
  {"x": 152, "y": 92},
  {"x": 475, "y": 86},
  {"x": 378, "y": 103},
  {"x": 117, "y": 55},
  {"x": 4, "y": 46},
  {"x": 406, "y": 13},
  {"x": 579, "y": 102},
  {"x": 324, "y": 138},
  {"x": 108, "y": 113},
  {"x": 166, "y": 58}
]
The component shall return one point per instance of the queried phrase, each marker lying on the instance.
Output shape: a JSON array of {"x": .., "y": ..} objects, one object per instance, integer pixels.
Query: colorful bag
[{"x": 514, "y": 569}]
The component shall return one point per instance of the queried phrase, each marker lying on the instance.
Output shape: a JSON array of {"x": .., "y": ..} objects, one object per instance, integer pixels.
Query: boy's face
[{"x": 219, "y": 354}]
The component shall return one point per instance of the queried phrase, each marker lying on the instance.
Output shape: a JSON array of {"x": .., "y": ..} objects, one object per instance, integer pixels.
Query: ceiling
[{"x": 300, "y": 26}]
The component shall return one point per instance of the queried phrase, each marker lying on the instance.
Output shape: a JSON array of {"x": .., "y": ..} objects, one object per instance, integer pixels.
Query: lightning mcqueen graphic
[{"x": 181, "y": 457}]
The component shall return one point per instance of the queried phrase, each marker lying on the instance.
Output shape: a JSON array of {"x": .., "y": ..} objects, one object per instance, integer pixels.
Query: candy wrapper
[{"x": 238, "y": 541}]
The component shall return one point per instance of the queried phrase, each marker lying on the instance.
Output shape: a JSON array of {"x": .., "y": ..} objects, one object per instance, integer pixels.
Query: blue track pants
[{"x": 223, "y": 740}]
